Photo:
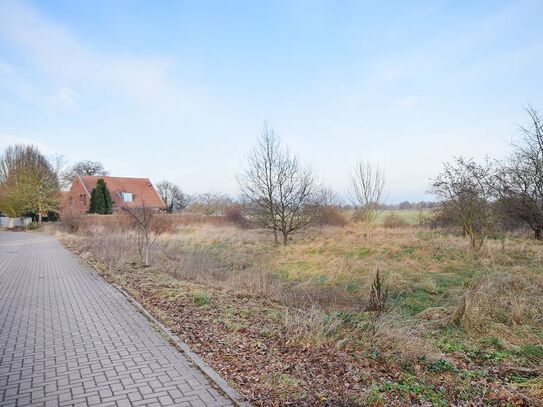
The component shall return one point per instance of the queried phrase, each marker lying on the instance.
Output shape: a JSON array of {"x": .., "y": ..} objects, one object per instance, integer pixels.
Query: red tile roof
[{"x": 142, "y": 189}]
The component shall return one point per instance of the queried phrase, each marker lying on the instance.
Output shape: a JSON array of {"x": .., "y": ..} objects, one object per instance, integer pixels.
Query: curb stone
[{"x": 193, "y": 357}]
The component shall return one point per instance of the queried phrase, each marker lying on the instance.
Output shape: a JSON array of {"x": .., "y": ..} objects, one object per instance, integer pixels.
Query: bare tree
[
  {"x": 210, "y": 203},
  {"x": 146, "y": 228},
  {"x": 464, "y": 191},
  {"x": 258, "y": 180},
  {"x": 281, "y": 194},
  {"x": 58, "y": 164},
  {"x": 518, "y": 181},
  {"x": 173, "y": 197},
  {"x": 366, "y": 192},
  {"x": 85, "y": 167}
]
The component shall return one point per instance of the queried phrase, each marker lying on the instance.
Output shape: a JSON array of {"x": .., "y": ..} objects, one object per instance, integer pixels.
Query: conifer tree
[
  {"x": 107, "y": 201},
  {"x": 92, "y": 204},
  {"x": 100, "y": 201}
]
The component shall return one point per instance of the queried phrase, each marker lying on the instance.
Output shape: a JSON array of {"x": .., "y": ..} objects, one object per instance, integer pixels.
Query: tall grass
[{"x": 433, "y": 280}]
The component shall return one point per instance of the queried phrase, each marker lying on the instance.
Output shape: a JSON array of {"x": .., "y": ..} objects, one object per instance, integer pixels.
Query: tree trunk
[
  {"x": 146, "y": 261},
  {"x": 39, "y": 218},
  {"x": 537, "y": 233},
  {"x": 275, "y": 238},
  {"x": 147, "y": 250},
  {"x": 285, "y": 238}
]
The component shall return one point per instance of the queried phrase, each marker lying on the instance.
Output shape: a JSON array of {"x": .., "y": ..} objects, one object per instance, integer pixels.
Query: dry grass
[
  {"x": 505, "y": 305},
  {"x": 333, "y": 267},
  {"x": 445, "y": 301}
]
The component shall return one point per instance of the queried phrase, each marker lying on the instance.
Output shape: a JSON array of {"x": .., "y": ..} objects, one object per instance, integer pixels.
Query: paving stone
[{"x": 69, "y": 338}]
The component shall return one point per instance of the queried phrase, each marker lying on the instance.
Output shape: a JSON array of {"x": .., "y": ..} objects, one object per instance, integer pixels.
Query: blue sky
[{"x": 179, "y": 90}]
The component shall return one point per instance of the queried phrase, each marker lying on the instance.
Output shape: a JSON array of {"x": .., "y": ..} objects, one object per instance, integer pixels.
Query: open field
[
  {"x": 290, "y": 324},
  {"x": 410, "y": 216}
]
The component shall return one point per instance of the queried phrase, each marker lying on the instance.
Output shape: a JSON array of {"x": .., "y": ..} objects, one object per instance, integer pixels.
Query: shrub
[
  {"x": 331, "y": 216},
  {"x": 32, "y": 226},
  {"x": 393, "y": 221},
  {"x": 234, "y": 215},
  {"x": 70, "y": 221}
]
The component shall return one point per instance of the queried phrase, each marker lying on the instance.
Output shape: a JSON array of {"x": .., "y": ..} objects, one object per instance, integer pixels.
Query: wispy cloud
[
  {"x": 16, "y": 84},
  {"x": 68, "y": 60},
  {"x": 65, "y": 96}
]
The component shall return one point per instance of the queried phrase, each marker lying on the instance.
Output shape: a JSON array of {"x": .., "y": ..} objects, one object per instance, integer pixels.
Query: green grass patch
[
  {"x": 414, "y": 302},
  {"x": 532, "y": 353},
  {"x": 359, "y": 253},
  {"x": 201, "y": 298},
  {"x": 409, "y": 388},
  {"x": 295, "y": 270}
]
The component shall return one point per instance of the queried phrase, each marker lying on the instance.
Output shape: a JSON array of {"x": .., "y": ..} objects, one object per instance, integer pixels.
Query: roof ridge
[{"x": 111, "y": 176}]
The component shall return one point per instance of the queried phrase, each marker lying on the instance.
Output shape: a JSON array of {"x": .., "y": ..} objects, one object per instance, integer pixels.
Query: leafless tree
[
  {"x": 366, "y": 192},
  {"x": 173, "y": 197},
  {"x": 258, "y": 180},
  {"x": 465, "y": 194},
  {"x": 518, "y": 181},
  {"x": 146, "y": 227},
  {"x": 281, "y": 195},
  {"x": 58, "y": 164},
  {"x": 209, "y": 203},
  {"x": 85, "y": 167}
]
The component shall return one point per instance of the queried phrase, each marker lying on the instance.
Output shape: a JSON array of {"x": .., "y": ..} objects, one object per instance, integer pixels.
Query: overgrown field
[{"x": 291, "y": 325}]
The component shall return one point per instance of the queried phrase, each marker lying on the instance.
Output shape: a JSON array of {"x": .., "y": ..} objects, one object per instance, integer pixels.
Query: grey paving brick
[{"x": 68, "y": 338}]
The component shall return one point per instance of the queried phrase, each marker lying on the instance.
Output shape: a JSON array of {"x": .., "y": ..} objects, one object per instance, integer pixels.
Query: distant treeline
[{"x": 410, "y": 205}]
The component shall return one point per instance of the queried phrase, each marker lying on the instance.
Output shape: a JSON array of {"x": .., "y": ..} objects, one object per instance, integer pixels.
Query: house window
[{"x": 127, "y": 196}]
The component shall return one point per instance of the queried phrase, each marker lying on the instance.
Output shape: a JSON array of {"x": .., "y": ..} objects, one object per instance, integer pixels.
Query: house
[{"x": 125, "y": 193}]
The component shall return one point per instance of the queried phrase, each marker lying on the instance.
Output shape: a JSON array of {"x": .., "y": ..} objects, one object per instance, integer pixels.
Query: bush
[
  {"x": 331, "y": 216},
  {"x": 234, "y": 214},
  {"x": 70, "y": 221},
  {"x": 32, "y": 226},
  {"x": 393, "y": 221}
]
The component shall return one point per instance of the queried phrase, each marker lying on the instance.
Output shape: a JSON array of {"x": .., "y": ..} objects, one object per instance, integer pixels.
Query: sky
[{"x": 179, "y": 90}]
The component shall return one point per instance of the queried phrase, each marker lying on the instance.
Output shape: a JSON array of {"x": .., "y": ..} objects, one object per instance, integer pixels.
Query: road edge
[
  {"x": 184, "y": 348},
  {"x": 181, "y": 346}
]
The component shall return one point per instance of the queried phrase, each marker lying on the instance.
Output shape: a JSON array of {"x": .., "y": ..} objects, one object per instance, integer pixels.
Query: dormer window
[{"x": 127, "y": 196}]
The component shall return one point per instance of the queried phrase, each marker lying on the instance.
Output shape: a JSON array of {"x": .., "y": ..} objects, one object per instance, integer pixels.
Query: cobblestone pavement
[{"x": 68, "y": 338}]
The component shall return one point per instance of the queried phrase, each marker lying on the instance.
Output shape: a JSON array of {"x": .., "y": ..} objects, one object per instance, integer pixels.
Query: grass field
[
  {"x": 289, "y": 324},
  {"x": 410, "y": 216}
]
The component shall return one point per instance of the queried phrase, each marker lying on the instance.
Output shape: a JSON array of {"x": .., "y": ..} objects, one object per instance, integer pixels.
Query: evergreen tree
[
  {"x": 92, "y": 204},
  {"x": 107, "y": 200},
  {"x": 100, "y": 201}
]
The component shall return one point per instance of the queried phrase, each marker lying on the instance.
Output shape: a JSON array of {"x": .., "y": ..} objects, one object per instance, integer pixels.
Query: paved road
[{"x": 68, "y": 338}]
